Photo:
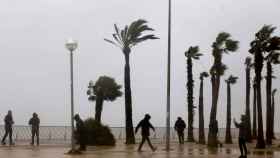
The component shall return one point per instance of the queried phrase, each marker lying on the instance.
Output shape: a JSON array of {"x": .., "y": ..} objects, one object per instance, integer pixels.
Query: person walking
[
  {"x": 180, "y": 126},
  {"x": 145, "y": 126},
  {"x": 242, "y": 136},
  {"x": 8, "y": 128},
  {"x": 80, "y": 132},
  {"x": 34, "y": 122}
]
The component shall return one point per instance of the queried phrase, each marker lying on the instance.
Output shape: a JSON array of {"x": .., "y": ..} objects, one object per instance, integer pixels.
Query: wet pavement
[{"x": 189, "y": 150}]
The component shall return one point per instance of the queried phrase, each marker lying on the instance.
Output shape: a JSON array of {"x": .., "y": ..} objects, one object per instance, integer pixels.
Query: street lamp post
[
  {"x": 168, "y": 79},
  {"x": 71, "y": 45}
]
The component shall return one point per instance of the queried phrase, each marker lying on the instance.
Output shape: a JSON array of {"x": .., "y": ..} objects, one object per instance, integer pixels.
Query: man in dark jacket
[
  {"x": 242, "y": 135},
  {"x": 80, "y": 132},
  {"x": 145, "y": 131},
  {"x": 180, "y": 126},
  {"x": 34, "y": 122},
  {"x": 8, "y": 128}
]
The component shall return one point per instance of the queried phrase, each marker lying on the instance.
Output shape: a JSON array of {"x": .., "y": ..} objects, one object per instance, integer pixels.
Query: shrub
[{"x": 98, "y": 134}]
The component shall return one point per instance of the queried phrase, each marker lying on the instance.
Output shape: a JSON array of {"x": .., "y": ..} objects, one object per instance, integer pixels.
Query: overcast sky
[{"x": 34, "y": 63}]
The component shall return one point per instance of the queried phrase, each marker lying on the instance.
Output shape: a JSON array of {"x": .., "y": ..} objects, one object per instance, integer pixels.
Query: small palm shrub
[{"x": 98, "y": 134}]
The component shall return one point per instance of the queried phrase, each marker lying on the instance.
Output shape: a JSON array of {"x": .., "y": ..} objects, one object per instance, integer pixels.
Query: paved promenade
[{"x": 121, "y": 151}]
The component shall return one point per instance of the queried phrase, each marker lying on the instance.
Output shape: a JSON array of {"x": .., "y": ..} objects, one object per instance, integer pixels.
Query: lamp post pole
[
  {"x": 71, "y": 45},
  {"x": 168, "y": 80},
  {"x": 72, "y": 101}
]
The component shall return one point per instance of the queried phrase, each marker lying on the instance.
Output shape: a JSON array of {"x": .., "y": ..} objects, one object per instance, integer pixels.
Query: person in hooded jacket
[
  {"x": 8, "y": 128},
  {"x": 242, "y": 136},
  {"x": 34, "y": 122},
  {"x": 145, "y": 126},
  {"x": 180, "y": 126}
]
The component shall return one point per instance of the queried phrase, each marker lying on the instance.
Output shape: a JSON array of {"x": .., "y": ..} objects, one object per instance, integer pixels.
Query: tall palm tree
[
  {"x": 248, "y": 90},
  {"x": 191, "y": 53},
  {"x": 259, "y": 47},
  {"x": 104, "y": 89},
  {"x": 201, "y": 138},
  {"x": 273, "y": 111},
  {"x": 222, "y": 45},
  {"x": 231, "y": 80},
  {"x": 125, "y": 39},
  {"x": 271, "y": 58},
  {"x": 254, "y": 132}
]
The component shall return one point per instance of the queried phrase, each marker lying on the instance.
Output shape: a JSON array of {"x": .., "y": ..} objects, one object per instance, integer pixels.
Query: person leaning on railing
[{"x": 34, "y": 122}]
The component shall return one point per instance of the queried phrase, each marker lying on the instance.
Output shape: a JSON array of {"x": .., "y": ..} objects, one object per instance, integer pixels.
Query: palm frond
[
  {"x": 274, "y": 91},
  {"x": 231, "y": 45},
  {"x": 204, "y": 74},
  {"x": 131, "y": 34},
  {"x": 231, "y": 79},
  {"x": 248, "y": 61},
  {"x": 117, "y": 30},
  {"x": 265, "y": 32},
  {"x": 192, "y": 52},
  {"x": 222, "y": 36},
  {"x": 111, "y": 42}
]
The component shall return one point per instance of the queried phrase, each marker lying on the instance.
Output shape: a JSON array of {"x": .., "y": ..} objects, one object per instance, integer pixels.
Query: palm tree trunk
[
  {"x": 228, "y": 139},
  {"x": 213, "y": 131},
  {"x": 258, "y": 71},
  {"x": 273, "y": 112},
  {"x": 201, "y": 114},
  {"x": 130, "y": 138},
  {"x": 98, "y": 108},
  {"x": 248, "y": 115},
  {"x": 190, "y": 100},
  {"x": 268, "y": 105},
  {"x": 254, "y": 136}
]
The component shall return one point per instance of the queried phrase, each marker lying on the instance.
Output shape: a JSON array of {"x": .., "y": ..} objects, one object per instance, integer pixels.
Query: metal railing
[{"x": 62, "y": 134}]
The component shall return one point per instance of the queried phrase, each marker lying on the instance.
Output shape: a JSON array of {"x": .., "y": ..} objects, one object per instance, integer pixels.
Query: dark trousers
[
  {"x": 242, "y": 146},
  {"x": 81, "y": 140},
  {"x": 34, "y": 132},
  {"x": 144, "y": 138},
  {"x": 181, "y": 136},
  {"x": 8, "y": 131}
]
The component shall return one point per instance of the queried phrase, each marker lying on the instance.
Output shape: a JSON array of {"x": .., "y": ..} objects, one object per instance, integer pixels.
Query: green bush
[{"x": 98, "y": 134}]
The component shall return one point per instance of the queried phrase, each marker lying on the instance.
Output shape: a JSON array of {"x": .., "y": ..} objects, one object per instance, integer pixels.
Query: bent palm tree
[
  {"x": 105, "y": 89},
  {"x": 201, "y": 138},
  {"x": 271, "y": 58},
  {"x": 248, "y": 90},
  {"x": 222, "y": 45},
  {"x": 259, "y": 47},
  {"x": 191, "y": 53},
  {"x": 231, "y": 80},
  {"x": 125, "y": 39}
]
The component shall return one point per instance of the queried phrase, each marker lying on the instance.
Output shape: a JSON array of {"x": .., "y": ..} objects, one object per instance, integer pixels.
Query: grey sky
[{"x": 35, "y": 64}]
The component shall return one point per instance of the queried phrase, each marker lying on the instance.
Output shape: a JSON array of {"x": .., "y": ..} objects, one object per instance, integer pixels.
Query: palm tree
[
  {"x": 201, "y": 138},
  {"x": 248, "y": 90},
  {"x": 223, "y": 45},
  {"x": 104, "y": 89},
  {"x": 273, "y": 112},
  {"x": 271, "y": 58},
  {"x": 259, "y": 47},
  {"x": 191, "y": 53},
  {"x": 231, "y": 80},
  {"x": 254, "y": 133},
  {"x": 125, "y": 39}
]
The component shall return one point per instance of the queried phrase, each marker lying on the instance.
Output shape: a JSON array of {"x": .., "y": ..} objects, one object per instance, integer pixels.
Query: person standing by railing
[
  {"x": 8, "y": 128},
  {"x": 34, "y": 122},
  {"x": 180, "y": 126},
  {"x": 242, "y": 135},
  {"x": 80, "y": 132}
]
